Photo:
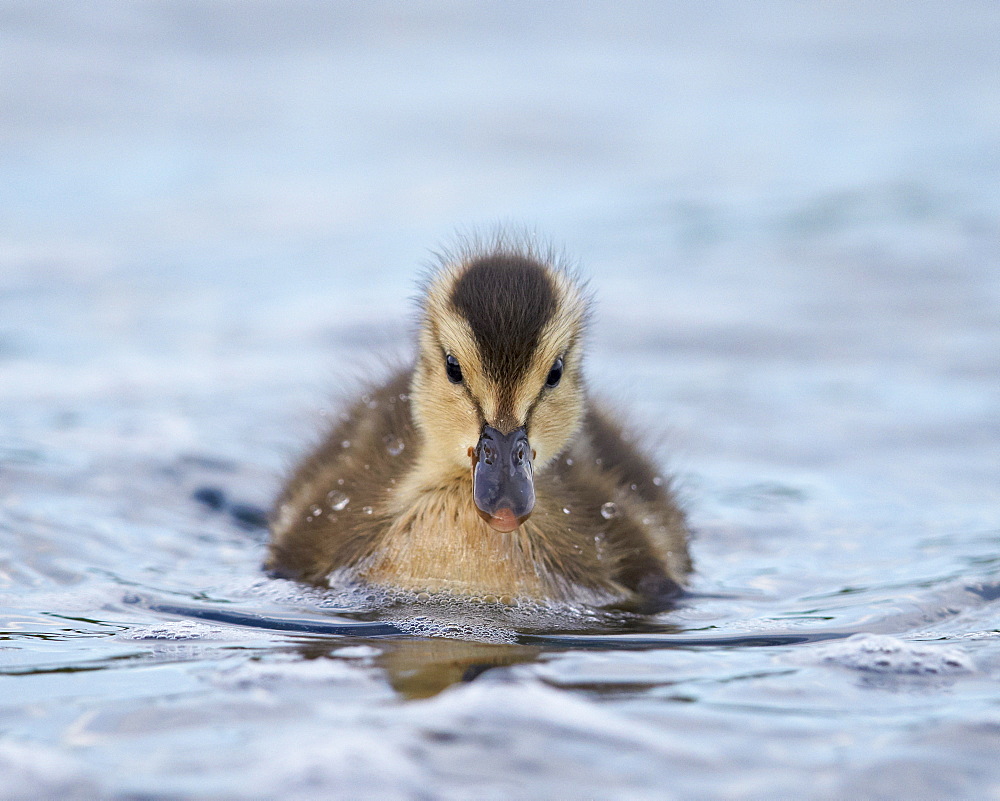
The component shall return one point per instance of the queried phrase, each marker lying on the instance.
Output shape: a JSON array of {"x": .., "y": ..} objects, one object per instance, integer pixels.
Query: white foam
[
  {"x": 487, "y": 619},
  {"x": 979, "y": 635},
  {"x": 437, "y": 614},
  {"x": 876, "y": 653},
  {"x": 189, "y": 630}
]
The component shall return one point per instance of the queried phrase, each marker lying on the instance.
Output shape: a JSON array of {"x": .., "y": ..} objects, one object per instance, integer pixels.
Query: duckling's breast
[{"x": 440, "y": 544}]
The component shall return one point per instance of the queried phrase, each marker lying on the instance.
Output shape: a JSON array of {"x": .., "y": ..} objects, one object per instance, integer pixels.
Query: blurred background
[
  {"x": 788, "y": 210},
  {"x": 212, "y": 217}
]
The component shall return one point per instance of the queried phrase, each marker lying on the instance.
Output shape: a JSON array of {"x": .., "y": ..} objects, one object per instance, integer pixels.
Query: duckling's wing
[
  {"x": 333, "y": 510},
  {"x": 624, "y": 458},
  {"x": 648, "y": 528}
]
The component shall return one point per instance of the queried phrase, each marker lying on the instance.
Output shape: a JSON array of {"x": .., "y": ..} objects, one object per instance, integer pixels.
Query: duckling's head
[{"x": 497, "y": 387}]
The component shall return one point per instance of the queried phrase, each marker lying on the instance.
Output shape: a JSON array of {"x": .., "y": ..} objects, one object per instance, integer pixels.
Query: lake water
[{"x": 213, "y": 218}]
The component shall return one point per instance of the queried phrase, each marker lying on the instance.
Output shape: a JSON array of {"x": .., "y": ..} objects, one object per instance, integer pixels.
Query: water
[{"x": 213, "y": 218}]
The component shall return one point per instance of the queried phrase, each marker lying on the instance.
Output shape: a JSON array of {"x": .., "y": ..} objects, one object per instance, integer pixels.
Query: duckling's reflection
[
  {"x": 423, "y": 667},
  {"x": 420, "y": 668}
]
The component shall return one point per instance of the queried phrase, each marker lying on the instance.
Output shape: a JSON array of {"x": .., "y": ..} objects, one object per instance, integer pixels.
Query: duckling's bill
[{"x": 503, "y": 484}]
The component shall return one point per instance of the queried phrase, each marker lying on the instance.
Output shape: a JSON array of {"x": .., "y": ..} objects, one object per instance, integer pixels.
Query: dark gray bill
[{"x": 502, "y": 482}]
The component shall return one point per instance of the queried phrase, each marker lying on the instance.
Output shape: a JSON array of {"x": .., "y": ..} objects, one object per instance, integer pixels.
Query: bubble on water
[
  {"x": 657, "y": 481},
  {"x": 316, "y": 511},
  {"x": 569, "y": 460},
  {"x": 609, "y": 510},
  {"x": 394, "y": 445},
  {"x": 367, "y": 510},
  {"x": 634, "y": 487},
  {"x": 337, "y": 500},
  {"x": 565, "y": 510},
  {"x": 600, "y": 544},
  {"x": 346, "y": 443},
  {"x": 489, "y": 617},
  {"x": 189, "y": 630},
  {"x": 404, "y": 397},
  {"x": 340, "y": 482}
]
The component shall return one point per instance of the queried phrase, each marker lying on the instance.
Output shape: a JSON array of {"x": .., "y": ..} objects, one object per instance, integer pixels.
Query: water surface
[{"x": 213, "y": 219}]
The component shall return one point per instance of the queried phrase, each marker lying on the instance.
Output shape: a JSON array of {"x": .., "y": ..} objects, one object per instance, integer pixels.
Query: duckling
[{"x": 486, "y": 470}]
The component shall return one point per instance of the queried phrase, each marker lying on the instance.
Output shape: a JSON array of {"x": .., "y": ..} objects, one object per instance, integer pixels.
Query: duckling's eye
[
  {"x": 453, "y": 369},
  {"x": 555, "y": 373}
]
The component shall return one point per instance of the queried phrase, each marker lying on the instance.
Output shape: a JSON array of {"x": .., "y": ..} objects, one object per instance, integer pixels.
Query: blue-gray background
[{"x": 211, "y": 218}]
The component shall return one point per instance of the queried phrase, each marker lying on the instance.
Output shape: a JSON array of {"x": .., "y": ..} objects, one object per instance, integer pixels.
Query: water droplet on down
[{"x": 338, "y": 501}]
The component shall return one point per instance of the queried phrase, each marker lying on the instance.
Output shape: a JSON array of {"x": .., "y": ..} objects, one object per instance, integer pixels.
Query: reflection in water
[{"x": 420, "y": 668}]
